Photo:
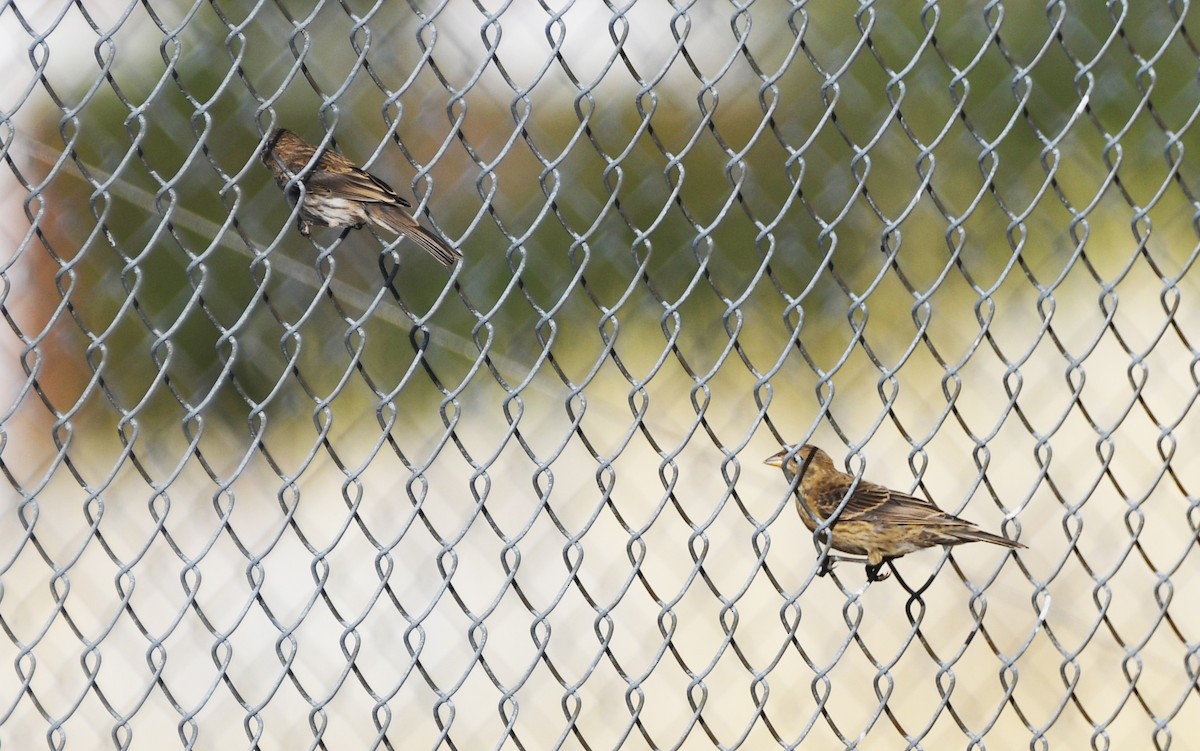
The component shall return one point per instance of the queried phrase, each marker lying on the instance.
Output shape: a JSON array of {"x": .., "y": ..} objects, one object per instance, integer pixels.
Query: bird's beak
[{"x": 776, "y": 460}]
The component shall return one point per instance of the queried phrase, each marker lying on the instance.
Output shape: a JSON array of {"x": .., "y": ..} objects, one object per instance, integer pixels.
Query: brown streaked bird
[
  {"x": 877, "y": 523},
  {"x": 339, "y": 194}
]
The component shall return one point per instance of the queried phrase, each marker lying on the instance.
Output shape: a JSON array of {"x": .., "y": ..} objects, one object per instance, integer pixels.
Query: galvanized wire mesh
[{"x": 274, "y": 492}]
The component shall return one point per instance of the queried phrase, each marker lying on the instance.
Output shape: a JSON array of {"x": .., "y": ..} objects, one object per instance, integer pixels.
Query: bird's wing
[
  {"x": 902, "y": 508},
  {"x": 865, "y": 499},
  {"x": 342, "y": 178},
  {"x": 871, "y": 499}
]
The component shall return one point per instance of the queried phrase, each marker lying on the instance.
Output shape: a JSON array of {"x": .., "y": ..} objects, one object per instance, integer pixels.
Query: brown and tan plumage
[
  {"x": 339, "y": 194},
  {"x": 877, "y": 523}
]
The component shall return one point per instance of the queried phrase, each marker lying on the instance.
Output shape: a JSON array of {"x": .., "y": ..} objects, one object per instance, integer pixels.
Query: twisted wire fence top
[{"x": 275, "y": 491}]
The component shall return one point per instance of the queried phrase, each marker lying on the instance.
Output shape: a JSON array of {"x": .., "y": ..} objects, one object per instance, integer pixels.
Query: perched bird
[
  {"x": 339, "y": 194},
  {"x": 878, "y": 523}
]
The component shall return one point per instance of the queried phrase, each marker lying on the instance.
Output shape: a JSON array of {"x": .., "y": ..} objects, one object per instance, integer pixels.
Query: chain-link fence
[{"x": 274, "y": 491}]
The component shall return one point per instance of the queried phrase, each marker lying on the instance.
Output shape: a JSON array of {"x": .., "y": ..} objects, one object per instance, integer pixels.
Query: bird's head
[
  {"x": 791, "y": 461},
  {"x": 285, "y": 152}
]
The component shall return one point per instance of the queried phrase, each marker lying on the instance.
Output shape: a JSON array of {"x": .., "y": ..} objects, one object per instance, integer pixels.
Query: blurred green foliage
[{"x": 827, "y": 127}]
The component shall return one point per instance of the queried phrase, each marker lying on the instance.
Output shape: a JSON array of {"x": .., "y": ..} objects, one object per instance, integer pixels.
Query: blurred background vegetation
[
  {"x": 960, "y": 234},
  {"x": 877, "y": 172}
]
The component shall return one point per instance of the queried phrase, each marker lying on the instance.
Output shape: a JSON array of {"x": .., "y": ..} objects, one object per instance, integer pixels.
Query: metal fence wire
[{"x": 272, "y": 491}]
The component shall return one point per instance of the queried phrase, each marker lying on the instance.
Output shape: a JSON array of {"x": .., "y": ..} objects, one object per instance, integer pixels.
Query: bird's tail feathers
[
  {"x": 396, "y": 219},
  {"x": 434, "y": 245},
  {"x": 978, "y": 535}
]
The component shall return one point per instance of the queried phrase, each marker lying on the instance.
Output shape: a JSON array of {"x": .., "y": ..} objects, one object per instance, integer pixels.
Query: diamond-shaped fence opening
[{"x": 268, "y": 490}]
